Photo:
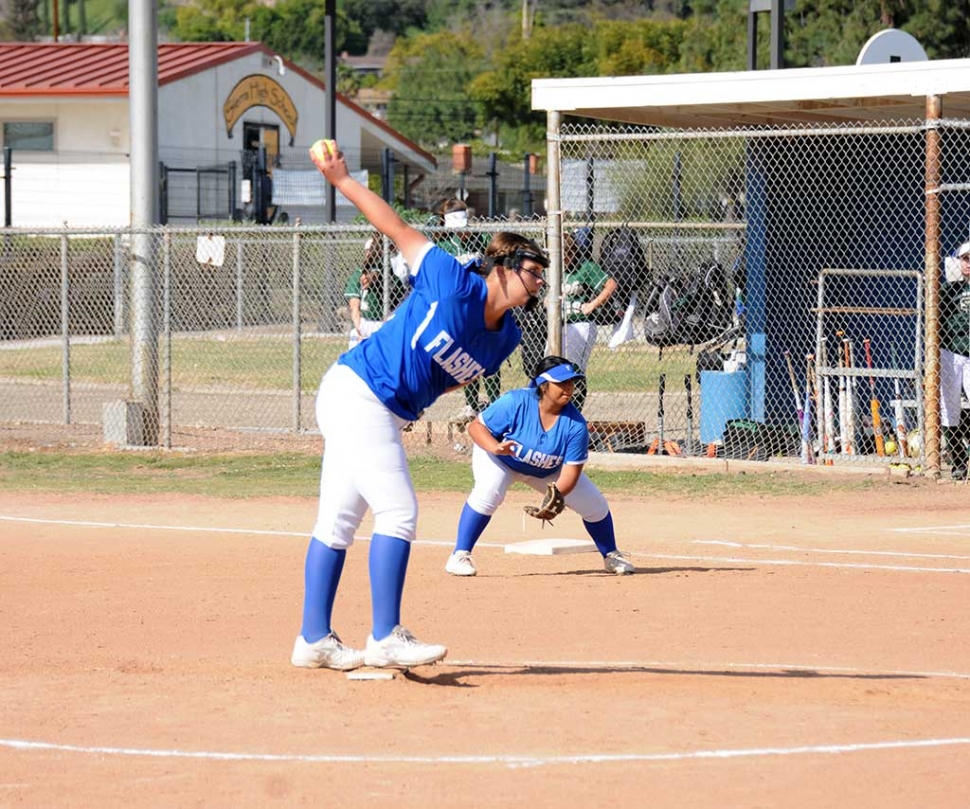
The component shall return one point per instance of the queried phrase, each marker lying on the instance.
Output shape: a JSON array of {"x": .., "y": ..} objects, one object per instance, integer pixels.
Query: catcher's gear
[{"x": 551, "y": 506}]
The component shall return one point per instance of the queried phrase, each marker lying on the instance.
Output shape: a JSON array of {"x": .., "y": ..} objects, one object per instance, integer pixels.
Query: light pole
[{"x": 777, "y": 9}]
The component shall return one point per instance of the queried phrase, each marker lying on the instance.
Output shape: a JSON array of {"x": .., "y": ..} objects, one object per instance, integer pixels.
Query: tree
[
  {"x": 293, "y": 28},
  {"x": 21, "y": 22},
  {"x": 505, "y": 91},
  {"x": 396, "y": 16},
  {"x": 638, "y": 48},
  {"x": 429, "y": 74}
]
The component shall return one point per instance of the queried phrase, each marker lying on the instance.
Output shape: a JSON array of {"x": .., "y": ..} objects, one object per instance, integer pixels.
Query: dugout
[{"x": 858, "y": 167}]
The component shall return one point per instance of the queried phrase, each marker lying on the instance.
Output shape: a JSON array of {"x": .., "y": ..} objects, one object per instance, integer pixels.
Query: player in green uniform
[
  {"x": 365, "y": 295},
  {"x": 585, "y": 287},
  {"x": 955, "y": 361}
]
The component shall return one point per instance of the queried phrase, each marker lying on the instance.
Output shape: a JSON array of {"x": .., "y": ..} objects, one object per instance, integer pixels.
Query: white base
[{"x": 551, "y": 547}]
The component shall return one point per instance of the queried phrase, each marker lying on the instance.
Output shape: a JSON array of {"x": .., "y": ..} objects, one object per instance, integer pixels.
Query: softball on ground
[
  {"x": 914, "y": 443},
  {"x": 322, "y": 148}
]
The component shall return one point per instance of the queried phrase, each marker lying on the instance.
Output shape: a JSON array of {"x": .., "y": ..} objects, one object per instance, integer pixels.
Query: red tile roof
[
  {"x": 37, "y": 69},
  {"x": 32, "y": 69}
]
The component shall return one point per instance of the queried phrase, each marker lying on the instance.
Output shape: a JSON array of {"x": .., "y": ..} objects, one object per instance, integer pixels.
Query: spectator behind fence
[
  {"x": 585, "y": 287},
  {"x": 955, "y": 358},
  {"x": 364, "y": 292},
  {"x": 467, "y": 246}
]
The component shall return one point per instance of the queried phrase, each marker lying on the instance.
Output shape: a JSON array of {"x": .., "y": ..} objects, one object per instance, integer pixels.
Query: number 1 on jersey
[{"x": 424, "y": 324}]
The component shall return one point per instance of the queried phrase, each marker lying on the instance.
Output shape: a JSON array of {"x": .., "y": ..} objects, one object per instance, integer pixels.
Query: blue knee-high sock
[
  {"x": 388, "y": 564},
  {"x": 321, "y": 577},
  {"x": 471, "y": 525},
  {"x": 602, "y": 534}
]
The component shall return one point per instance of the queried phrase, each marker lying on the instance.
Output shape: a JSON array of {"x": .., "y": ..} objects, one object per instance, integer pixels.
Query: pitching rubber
[{"x": 370, "y": 674}]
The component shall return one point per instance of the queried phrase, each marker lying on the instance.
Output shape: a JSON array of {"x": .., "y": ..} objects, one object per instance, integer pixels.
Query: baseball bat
[
  {"x": 899, "y": 412},
  {"x": 689, "y": 443},
  {"x": 874, "y": 402},
  {"x": 849, "y": 399},
  {"x": 828, "y": 404},
  {"x": 829, "y": 415},
  {"x": 843, "y": 418},
  {"x": 661, "y": 449},
  {"x": 807, "y": 415},
  {"x": 799, "y": 408}
]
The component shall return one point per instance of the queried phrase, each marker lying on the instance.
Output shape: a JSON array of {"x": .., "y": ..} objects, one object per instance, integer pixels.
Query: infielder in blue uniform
[
  {"x": 537, "y": 436},
  {"x": 455, "y": 326}
]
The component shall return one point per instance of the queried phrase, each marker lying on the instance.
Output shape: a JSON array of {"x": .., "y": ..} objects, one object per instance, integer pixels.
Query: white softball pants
[
  {"x": 493, "y": 478},
  {"x": 954, "y": 380},
  {"x": 364, "y": 463},
  {"x": 580, "y": 339},
  {"x": 367, "y": 328}
]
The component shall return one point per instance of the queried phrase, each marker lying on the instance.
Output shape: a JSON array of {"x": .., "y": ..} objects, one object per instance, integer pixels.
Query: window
[{"x": 30, "y": 136}]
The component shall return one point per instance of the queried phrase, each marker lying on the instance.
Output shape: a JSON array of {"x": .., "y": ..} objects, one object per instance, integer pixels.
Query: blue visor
[{"x": 559, "y": 373}]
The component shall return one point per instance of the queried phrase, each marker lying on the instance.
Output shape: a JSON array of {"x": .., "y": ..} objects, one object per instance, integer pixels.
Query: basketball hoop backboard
[{"x": 889, "y": 46}]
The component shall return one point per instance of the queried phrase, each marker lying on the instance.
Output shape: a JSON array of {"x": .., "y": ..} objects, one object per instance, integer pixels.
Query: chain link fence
[
  {"x": 780, "y": 304},
  {"x": 754, "y": 294},
  {"x": 245, "y": 322}
]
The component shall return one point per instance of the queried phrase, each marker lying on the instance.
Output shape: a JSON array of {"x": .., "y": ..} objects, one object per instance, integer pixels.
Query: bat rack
[{"x": 826, "y": 313}]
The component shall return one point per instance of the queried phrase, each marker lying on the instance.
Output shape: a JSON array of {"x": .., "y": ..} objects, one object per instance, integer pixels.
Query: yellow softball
[{"x": 323, "y": 147}]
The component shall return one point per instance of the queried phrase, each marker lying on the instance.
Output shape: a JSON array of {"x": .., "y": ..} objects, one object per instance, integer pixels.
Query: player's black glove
[{"x": 551, "y": 506}]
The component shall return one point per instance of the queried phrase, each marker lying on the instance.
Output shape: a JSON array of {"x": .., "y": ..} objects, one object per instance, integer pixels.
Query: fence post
[
  {"x": 166, "y": 361},
  {"x": 7, "y": 186},
  {"x": 492, "y": 175},
  {"x": 553, "y": 232},
  {"x": 231, "y": 173},
  {"x": 65, "y": 330},
  {"x": 240, "y": 310},
  {"x": 162, "y": 193},
  {"x": 931, "y": 282},
  {"x": 297, "y": 392},
  {"x": 527, "y": 189},
  {"x": 144, "y": 336},
  {"x": 387, "y": 174},
  {"x": 119, "y": 289}
]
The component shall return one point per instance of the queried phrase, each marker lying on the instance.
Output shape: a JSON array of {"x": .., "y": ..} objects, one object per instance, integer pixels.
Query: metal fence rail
[
  {"x": 740, "y": 228},
  {"x": 750, "y": 249}
]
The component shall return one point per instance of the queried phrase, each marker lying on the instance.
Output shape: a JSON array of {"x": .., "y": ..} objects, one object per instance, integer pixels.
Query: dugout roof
[{"x": 819, "y": 95}]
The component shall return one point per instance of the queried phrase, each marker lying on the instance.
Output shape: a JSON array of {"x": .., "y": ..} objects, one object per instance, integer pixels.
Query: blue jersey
[
  {"x": 435, "y": 340},
  {"x": 538, "y": 452}
]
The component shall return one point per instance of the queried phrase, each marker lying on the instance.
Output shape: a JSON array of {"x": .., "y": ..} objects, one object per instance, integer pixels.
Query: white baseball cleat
[
  {"x": 460, "y": 564},
  {"x": 618, "y": 562},
  {"x": 327, "y": 653},
  {"x": 401, "y": 649}
]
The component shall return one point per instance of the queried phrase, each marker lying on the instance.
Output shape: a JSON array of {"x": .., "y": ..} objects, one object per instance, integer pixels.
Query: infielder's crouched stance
[
  {"x": 537, "y": 436},
  {"x": 453, "y": 327}
]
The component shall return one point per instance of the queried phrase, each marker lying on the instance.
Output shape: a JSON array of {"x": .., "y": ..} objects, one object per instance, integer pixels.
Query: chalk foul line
[{"x": 501, "y": 759}]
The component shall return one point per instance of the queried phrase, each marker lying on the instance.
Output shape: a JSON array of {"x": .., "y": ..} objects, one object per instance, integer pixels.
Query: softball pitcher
[
  {"x": 455, "y": 326},
  {"x": 537, "y": 436}
]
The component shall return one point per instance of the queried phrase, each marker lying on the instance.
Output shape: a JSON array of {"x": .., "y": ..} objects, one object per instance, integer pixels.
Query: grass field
[
  {"x": 265, "y": 363},
  {"x": 296, "y": 474}
]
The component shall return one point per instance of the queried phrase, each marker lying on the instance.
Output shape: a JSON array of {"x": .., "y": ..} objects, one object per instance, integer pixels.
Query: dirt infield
[{"x": 777, "y": 652}]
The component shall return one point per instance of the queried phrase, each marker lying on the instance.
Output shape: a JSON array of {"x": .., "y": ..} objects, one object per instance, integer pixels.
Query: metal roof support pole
[
  {"x": 931, "y": 284},
  {"x": 330, "y": 97},
  {"x": 554, "y": 233},
  {"x": 777, "y": 35},
  {"x": 143, "y": 105}
]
